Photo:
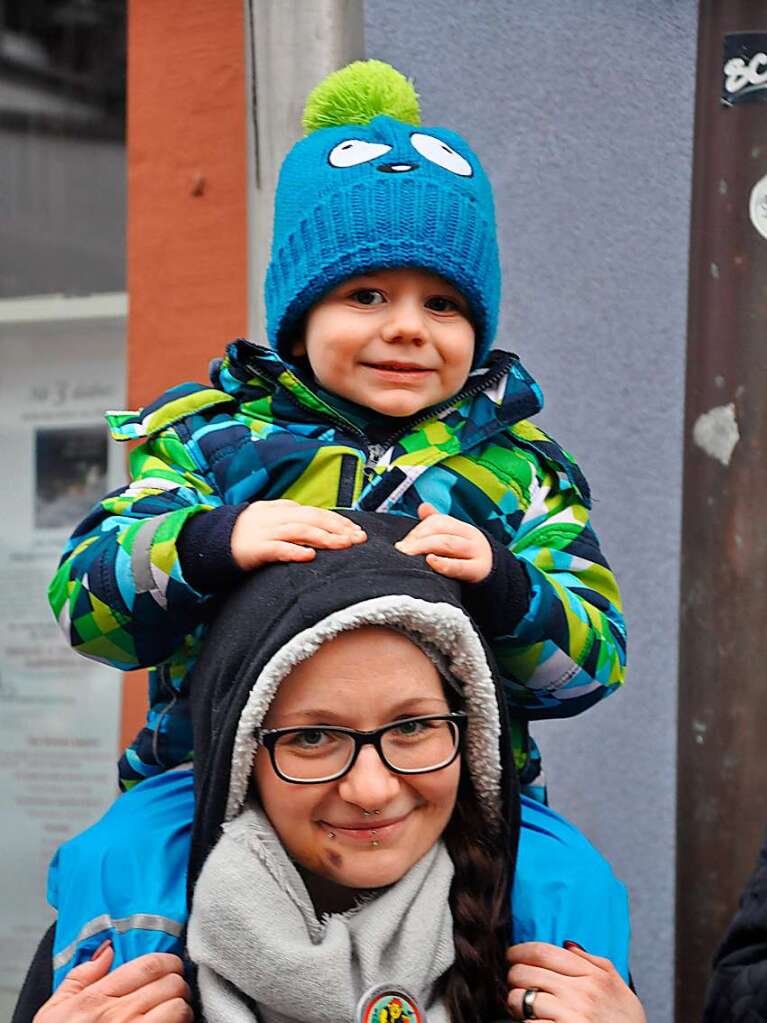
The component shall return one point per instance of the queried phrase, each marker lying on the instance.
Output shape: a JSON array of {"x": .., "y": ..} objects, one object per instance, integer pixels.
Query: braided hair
[{"x": 475, "y": 988}]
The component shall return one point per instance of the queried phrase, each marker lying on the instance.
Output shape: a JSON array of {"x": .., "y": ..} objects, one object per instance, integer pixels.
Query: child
[{"x": 379, "y": 394}]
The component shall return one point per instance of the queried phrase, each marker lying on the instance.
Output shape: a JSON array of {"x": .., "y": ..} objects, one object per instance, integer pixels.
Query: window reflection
[
  {"x": 62, "y": 146},
  {"x": 62, "y": 233}
]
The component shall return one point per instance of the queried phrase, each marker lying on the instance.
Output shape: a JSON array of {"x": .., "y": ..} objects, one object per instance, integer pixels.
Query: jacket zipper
[
  {"x": 373, "y": 452},
  {"x": 439, "y": 410}
]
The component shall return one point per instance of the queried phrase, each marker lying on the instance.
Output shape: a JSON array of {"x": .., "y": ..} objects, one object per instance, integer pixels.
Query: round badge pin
[{"x": 388, "y": 1003}]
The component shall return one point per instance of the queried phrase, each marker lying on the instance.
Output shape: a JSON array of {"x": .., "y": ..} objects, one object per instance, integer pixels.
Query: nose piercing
[{"x": 331, "y": 834}]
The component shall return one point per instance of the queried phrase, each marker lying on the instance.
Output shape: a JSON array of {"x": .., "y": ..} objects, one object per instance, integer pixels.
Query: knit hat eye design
[{"x": 375, "y": 190}]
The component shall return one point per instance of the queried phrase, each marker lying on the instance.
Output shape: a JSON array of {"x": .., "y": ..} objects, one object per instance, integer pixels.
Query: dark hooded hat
[{"x": 280, "y": 616}]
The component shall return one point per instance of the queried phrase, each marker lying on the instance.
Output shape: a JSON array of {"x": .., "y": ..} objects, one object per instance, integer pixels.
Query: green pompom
[{"x": 358, "y": 93}]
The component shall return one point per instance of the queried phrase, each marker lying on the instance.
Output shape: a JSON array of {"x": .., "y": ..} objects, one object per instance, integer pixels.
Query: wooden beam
[{"x": 722, "y": 768}]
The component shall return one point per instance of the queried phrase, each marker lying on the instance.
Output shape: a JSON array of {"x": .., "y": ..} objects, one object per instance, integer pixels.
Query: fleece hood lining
[{"x": 434, "y": 627}]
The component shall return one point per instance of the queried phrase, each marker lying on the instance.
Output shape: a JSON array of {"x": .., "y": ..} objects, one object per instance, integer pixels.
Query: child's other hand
[
  {"x": 452, "y": 548},
  {"x": 288, "y": 531}
]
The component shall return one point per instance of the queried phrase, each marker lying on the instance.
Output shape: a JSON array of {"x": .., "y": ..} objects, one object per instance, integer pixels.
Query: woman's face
[{"x": 362, "y": 679}]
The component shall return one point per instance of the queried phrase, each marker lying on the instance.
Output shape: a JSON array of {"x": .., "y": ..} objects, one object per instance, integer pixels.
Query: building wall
[
  {"x": 583, "y": 115},
  {"x": 187, "y": 245},
  {"x": 187, "y": 181}
]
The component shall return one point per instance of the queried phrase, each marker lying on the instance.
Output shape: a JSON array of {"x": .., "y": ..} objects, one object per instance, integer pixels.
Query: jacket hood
[{"x": 281, "y": 615}]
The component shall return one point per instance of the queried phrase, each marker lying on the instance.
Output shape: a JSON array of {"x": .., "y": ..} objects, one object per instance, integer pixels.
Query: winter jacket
[
  {"x": 125, "y": 590},
  {"x": 737, "y": 992}
]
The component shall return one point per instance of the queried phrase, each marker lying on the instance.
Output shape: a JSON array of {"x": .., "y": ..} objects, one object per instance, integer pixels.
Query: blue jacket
[{"x": 563, "y": 890}]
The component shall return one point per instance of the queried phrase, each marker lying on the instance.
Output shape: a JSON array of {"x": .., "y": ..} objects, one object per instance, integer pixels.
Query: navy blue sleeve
[
  {"x": 499, "y": 601},
  {"x": 205, "y": 549}
]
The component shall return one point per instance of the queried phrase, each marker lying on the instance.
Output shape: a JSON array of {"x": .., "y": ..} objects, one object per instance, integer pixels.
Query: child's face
[{"x": 395, "y": 341}]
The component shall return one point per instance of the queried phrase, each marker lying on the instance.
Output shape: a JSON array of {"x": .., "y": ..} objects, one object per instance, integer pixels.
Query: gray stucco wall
[{"x": 583, "y": 115}]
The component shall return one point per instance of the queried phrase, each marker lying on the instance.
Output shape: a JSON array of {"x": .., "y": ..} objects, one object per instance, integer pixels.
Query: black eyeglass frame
[{"x": 268, "y": 738}]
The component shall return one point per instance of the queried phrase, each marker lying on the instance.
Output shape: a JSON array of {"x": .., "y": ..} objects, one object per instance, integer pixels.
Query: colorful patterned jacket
[{"x": 261, "y": 433}]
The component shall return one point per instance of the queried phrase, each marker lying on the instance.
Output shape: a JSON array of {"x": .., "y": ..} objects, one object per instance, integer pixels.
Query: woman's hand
[
  {"x": 288, "y": 531},
  {"x": 151, "y": 988},
  {"x": 572, "y": 986},
  {"x": 452, "y": 548}
]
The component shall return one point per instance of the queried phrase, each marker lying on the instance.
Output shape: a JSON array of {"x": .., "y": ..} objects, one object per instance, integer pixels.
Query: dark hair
[{"x": 474, "y": 988}]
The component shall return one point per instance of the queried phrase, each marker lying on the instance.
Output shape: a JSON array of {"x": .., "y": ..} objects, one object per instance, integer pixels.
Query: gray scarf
[{"x": 263, "y": 954}]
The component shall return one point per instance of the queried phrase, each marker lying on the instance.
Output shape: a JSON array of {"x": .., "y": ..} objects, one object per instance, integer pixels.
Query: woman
[{"x": 357, "y": 823}]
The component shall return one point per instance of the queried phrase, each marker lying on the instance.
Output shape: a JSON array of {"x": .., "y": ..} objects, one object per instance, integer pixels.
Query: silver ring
[{"x": 528, "y": 1000}]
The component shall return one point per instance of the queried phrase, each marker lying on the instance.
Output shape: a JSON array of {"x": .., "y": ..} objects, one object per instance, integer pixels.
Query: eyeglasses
[{"x": 313, "y": 754}]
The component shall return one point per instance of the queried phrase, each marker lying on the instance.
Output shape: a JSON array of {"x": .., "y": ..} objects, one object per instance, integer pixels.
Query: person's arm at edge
[
  {"x": 37, "y": 987},
  {"x": 740, "y": 966}
]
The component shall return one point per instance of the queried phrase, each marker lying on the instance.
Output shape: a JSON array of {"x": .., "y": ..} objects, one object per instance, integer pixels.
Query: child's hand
[
  {"x": 452, "y": 548},
  {"x": 569, "y": 984},
  {"x": 288, "y": 531}
]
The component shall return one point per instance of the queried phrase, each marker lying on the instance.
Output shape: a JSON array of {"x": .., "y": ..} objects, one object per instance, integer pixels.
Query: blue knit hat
[{"x": 376, "y": 191}]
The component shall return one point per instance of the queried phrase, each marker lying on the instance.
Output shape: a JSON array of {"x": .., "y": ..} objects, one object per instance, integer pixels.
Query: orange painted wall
[{"x": 187, "y": 204}]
